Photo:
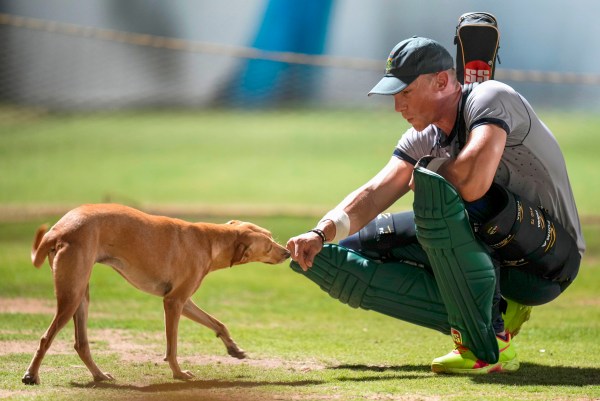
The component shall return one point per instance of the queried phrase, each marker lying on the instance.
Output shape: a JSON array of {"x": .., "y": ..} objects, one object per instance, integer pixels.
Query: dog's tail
[{"x": 41, "y": 246}]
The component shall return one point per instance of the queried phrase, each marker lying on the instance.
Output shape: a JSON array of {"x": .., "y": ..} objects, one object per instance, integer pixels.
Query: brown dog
[{"x": 160, "y": 255}]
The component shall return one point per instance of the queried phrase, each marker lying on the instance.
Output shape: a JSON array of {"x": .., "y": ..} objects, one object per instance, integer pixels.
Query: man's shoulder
[
  {"x": 491, "y": 86},
  {"x": 492, "y": 94}
]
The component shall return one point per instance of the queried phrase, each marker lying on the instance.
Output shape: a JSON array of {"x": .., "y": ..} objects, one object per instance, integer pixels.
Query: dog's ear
[
  {"x": 257, "y": 229},
  {"x": 240, "y": 255},
  {"x": 250, "y": 226}
]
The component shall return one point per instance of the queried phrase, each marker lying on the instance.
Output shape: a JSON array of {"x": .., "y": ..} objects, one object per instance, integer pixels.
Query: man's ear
[
  {"x": 441, "y": 80},
  {"x": 240, "y": 255}
]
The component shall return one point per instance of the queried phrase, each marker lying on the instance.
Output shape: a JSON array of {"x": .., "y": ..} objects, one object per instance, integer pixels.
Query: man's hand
[{"x": 304, "y": 248}]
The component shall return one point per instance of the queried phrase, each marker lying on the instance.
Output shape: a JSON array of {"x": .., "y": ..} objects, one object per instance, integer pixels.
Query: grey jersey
[{"x": 532, "y": 164}]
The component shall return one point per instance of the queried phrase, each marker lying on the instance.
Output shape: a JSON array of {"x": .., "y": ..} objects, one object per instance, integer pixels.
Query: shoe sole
[{"x": 500, "y": 367}]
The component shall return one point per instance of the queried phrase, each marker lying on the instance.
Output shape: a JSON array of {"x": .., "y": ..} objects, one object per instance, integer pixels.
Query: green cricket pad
[
  {"x": 462, "y": 267},
  {"x": 396, "y": 289}
]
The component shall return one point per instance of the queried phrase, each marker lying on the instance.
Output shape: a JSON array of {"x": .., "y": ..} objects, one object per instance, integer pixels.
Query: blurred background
[
  {"x": 78, "y": 64},
  {"x": 107, "y": 54}
]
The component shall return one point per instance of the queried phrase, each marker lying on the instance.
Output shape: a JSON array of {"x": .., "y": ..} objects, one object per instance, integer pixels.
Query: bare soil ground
[
  {"x": 128, "y": 346},
  {"x": 136, "y": 348}
]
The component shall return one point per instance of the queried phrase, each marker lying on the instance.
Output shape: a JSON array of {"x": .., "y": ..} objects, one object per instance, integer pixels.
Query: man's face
[{"x": 416, "y": 103}]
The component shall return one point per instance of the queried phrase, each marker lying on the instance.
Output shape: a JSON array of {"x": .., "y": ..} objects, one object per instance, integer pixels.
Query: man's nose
[{"x": 399, "y": 104}]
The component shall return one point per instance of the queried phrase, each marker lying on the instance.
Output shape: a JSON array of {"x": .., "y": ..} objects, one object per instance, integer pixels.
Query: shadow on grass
[
  {"x": 382, "y": 368},
  {"x": 373, "y": 373},
  {"x": 543, "y": 375},
  {"x": 530, "y": 374},
  {"x": 194, "y": 385}
]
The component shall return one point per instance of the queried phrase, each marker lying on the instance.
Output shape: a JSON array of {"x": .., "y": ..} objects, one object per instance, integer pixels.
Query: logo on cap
[{"x": 388, "y": 65}]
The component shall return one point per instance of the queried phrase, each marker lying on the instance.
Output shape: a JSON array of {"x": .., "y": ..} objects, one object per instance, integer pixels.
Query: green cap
[{"x": 409, "y": 59}]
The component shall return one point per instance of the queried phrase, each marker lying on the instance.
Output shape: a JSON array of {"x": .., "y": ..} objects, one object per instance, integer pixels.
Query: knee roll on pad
[
  {"x": 525, "y": 236},
  {"x": 395, "y": 289},
  {"x": 463, "y": 269}
]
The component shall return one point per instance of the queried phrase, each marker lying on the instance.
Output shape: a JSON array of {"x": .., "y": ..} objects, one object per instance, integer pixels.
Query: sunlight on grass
[{"x": 302, "y": 344}]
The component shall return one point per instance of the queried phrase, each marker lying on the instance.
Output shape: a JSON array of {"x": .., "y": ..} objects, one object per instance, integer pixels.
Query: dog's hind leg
[
  {"x": 193, "y": 312},
  {"x": 31, "y": 375},
  {"x": 70, "y": 282},
  {"x": 82, "y": 345}
]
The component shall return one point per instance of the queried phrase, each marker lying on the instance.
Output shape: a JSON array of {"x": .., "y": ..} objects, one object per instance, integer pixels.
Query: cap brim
[{"x": 390, "y": 85}]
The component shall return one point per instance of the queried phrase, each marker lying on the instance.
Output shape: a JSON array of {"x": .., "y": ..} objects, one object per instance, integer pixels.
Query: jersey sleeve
[
  {"x": 414, "y": 144},
  {"x": 493, "y": 102}
]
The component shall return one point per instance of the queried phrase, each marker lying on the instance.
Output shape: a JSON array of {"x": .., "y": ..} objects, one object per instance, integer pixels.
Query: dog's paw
[
  {"x": 237, "y": 352},
  {"x": 30, "y": 379},
  {"x": 103, "y": 376},
  {"x": 183, "y": 375}
]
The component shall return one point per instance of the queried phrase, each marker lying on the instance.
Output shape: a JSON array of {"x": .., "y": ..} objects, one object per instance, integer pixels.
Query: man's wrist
[
  {"x": 340, "y": 222},
  {"x": 320, "y": 233}
]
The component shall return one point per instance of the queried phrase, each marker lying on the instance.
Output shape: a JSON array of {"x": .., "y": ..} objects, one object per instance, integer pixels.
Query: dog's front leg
[
  {"x": 193, "y": 312},
  {"x": 173, "y": 308}
]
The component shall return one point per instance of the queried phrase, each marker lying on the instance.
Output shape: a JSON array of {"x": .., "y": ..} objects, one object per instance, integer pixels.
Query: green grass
[
  {"x": 254, "y": 158},
  {"x": 313, "y": 346},
  {"x": 303, "y": 345},
  {"x": 206, "y": 157}
]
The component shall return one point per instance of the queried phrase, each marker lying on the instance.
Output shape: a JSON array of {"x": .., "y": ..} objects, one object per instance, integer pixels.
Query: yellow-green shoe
[
  {"x": 462, "y": 361},
  {"x": 516, "y": 314}
]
